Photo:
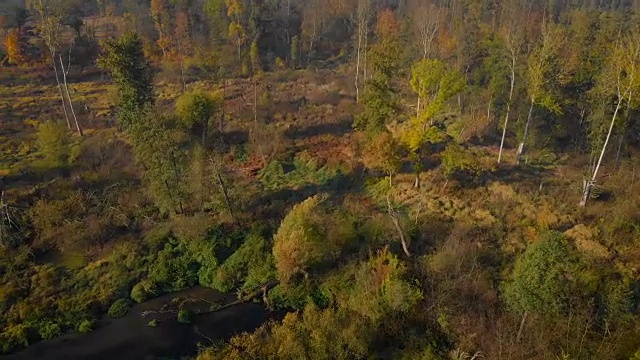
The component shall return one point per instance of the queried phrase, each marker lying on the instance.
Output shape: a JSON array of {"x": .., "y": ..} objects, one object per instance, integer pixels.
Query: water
[{"x": 130, "y": 337}]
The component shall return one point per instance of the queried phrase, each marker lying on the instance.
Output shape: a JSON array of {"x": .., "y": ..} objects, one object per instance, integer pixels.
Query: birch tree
[
  {"x": 513, "y": 37},
  {"x": 542, "y": 75},
  {"x": 426, "y": 19},
  {"x": 361, "y": 20},
  {"x": 620, "y": 83},
  {"x": 48, "y": 23}
]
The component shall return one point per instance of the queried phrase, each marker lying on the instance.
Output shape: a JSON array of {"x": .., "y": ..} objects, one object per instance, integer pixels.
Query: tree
[
  {"x": 237, "y": 32},
  {"x": 159, "y": 148},
  {"x": 543, "y": 76},
  {"x": 294, "y": 53},
  {"x": 300, "y": 241},
  {"x": 131, "y": 72},
  {"x": 48, "y": 23},
  {"x": 54, "y": 143},
  {"x": 513, "y": 38},
  {"x": 382, "y": 153},
  {"x": 380, "y": 100},
  {"x": 381, "y": 287},
  {"x": 13, "y": 45},
  {"x": 426, "y": 19},
  {"x": 162, "y": 18},
  {"x": 218, "y": 24},
  {"x": 541, "y": 276},
  {"x": 195, "y": 109},
  {"x": 620, "y": 83},
  {"x": 436, "y": 84},
  {"x": 361, "y": 20}
]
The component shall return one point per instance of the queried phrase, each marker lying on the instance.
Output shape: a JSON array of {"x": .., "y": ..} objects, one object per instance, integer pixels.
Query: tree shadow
[
  {"x": 339, "y": 128},
  {"x": 274, "y": 204}
]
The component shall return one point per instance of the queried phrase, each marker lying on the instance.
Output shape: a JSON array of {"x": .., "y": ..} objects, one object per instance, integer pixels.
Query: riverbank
[{"x": 131, "y": 336}]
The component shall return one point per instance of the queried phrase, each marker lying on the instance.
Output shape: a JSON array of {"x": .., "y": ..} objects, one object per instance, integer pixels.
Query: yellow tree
[
  {"x": 620, "y": 80},
  {"x": 12, "y": 43},
  {"x": 160, "y": 11},
  {"x": 237, "y": 31}
]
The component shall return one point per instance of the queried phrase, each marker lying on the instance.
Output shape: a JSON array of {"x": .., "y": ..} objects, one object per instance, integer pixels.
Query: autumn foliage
[{"x": 15, "y": 52}]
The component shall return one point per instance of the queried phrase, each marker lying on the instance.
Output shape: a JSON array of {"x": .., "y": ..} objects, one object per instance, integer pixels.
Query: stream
[{"x": 131, "y": 337}]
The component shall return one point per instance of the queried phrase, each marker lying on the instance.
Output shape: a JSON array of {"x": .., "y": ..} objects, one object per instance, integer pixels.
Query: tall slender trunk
[
  {"x": 64, "y": 105},
  {"x": 506, "y": 117},
  {"x": 66, "y": 88},
  {"x": 255, "y": 102},
  {"x": 620, "y": 142},
  {"x": 396, "y": 222},
  {"x": 224, "y": 190},
  {"x": 358, "y": 64},
  {"x": 224, "y": 96},
  {"x": 524, "y": 319},
  {"x": 588, "y": 185},
  {"x": 526, "y": 132},
  {"x": 366, "y": 51},
  {"x": 489, "y": 111}
]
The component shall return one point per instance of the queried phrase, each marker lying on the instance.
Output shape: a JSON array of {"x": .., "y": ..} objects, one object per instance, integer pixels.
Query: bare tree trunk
[
  {"x": 588, "y": 185},
  {"x": 506, "y": 117},
  {"x": 255, "y": 102},
  {"x": 358, "y": 65},
  {"x": 526, "y": 132},
  {"x": 66, "y": 88},
  {"x": 366, "y": 52},
  {"x": 524, "y": 319},
  {"x": 489, "y": 111},
  {"x": 396, "y": 222},
  {"x": 224, "y": 98},
  {"x": 64, "y": 105},
  {"x": 223, "y": 188},
  {"x": 620, "y": 142}
]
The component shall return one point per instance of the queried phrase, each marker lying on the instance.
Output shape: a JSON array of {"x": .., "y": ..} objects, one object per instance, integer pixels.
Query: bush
[
  {"x": 85, "y": 326},
  {"x": 184, "y": 316},
  {"x": 142, "y": 291},
  {"x": 119, "y": 308},
  {"x": 49, "y": 330}
]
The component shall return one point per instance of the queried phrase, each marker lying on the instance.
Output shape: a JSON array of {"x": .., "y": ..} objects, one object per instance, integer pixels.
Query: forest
[{"x": 320, "y": 179}]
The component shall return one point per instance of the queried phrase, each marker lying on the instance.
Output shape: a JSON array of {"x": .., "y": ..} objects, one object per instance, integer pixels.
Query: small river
[{"x": 130, "y": 337}]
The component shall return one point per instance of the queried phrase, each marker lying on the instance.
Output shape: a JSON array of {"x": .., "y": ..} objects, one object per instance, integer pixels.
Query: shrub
[
  {"x": 184, "y": 316},
  {"x": 119, "y": 308},
  {"x": 49, "y": 330},
  {"x": 85, "y": 326}
]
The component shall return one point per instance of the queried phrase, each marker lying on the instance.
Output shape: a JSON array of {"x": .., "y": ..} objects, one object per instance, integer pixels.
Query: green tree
[
  {"x": 620, "y": 82},
  {"x": 55, "y": 143},
  {"x": 218, "y": 24},
  {"x": 380, "y": 101},
  {"x": 381, "y": 288},
  {"x": 294, "y": 53},
  {"x": 541, "y": 277},
  {"x": 435, "y": 85},
  {"x": 161, "y": 149},
  {"x": 254, "y": 56},
  {"x": 543, "y": 77},
  {"x": 298, "y": 244},
  {"x": 195, "y": 109},
  {"x": 131, "y": 72}
]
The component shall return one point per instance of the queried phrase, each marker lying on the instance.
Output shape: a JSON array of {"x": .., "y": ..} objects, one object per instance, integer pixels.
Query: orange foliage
[
  {"x": 387, "y": 25},
  {"x": 182, "y": 31},
  {"x": 15, "y": 53}
]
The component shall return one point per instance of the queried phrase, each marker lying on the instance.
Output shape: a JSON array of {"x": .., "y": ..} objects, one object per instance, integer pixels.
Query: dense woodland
[{"x": 396, "y": 179}]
